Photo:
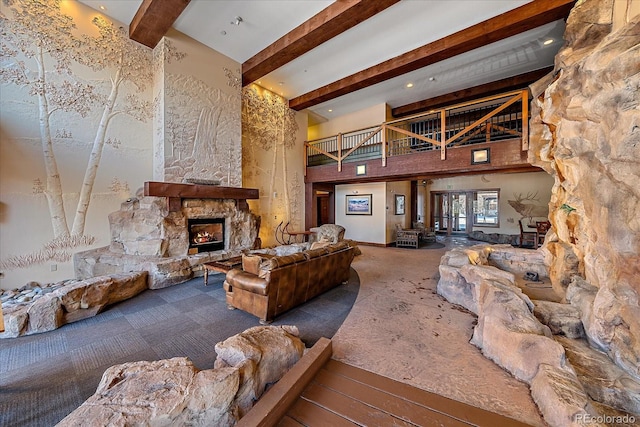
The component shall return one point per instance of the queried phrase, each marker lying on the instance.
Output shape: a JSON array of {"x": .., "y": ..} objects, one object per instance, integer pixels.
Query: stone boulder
[
  {"x": 603, "y": 380},
  {"x": 175, "y": 392},
  {"x": 509, "y": 334},
  {"x": 561, "y": 398},
  {"x": 262, "y": 354},
  {"x": 75, "y": 300},
  {"x": 164, "y": 392},
  {"x": 562, "y": 319}
]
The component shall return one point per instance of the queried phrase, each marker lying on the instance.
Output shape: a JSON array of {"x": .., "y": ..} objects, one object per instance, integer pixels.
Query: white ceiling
[{"x": 402, "y": 27}]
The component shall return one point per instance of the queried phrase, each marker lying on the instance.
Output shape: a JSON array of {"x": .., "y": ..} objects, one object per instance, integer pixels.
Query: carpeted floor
[{"x": 44, "y": 377}]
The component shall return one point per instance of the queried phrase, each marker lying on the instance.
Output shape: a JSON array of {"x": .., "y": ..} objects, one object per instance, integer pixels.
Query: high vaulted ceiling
[{"x": 334, "y": 58}]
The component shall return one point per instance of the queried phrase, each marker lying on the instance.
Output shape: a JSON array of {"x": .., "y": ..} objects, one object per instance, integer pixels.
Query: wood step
[{"x": 343, "y": 395}]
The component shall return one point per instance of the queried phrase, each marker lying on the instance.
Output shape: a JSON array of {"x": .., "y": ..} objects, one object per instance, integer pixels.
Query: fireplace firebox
[{"x": 205, "y": 234}]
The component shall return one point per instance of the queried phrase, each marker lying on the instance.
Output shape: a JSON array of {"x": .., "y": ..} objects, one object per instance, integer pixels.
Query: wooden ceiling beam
[
  {"x": 471, "y": 93},
  {"x": 521, "y": 19},
  {"x": 328, "y": 23},
  {"x": 153, "y": 19}
]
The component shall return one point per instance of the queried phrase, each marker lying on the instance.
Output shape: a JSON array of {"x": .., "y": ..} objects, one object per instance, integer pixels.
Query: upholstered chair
[{"x": 332, "y": 233}]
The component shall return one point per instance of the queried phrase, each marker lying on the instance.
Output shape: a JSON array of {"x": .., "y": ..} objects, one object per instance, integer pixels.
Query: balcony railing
[{"x": 484, "y": 120}]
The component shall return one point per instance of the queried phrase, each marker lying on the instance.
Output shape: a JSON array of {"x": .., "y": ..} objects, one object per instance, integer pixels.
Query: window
[{"x": 485, "y": 208}]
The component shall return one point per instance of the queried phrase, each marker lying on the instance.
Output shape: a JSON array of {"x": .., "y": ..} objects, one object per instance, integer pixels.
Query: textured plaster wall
[
  {"x": 372, "y": 116},
  {"x": 181, "y": 97},
  {"x": 364, "y": 228},
  {"x": 273, "y": 160}
]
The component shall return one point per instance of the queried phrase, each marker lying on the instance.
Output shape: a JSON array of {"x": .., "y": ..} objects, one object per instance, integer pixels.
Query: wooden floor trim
[{"x": 273, "y": 405}]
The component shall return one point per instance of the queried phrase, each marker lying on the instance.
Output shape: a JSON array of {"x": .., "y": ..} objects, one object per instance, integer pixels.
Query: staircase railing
[{"x": 489, "y": 119}]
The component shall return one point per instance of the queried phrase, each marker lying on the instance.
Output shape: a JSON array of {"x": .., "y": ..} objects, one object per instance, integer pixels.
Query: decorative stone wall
[
  {"x": 175, "y": 392},
  {"x": 585, "y": 131}
]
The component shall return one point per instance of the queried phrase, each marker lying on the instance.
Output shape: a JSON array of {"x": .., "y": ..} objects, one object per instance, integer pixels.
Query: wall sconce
[
  {"x": 480, "y": 156},
  {"x": 361, "y": 170}
]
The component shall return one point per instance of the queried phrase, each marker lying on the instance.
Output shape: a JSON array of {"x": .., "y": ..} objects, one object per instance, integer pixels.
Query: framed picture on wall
[
  {"x": 399, "y": 210},
  {"x": 358, "y": 204}
]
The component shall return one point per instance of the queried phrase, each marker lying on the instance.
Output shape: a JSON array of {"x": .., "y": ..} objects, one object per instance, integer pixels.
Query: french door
[{"x": 449, "y": 211}]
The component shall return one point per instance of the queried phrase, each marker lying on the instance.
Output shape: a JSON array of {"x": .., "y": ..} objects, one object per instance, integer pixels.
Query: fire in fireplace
[{"x": 205, "y": 234}]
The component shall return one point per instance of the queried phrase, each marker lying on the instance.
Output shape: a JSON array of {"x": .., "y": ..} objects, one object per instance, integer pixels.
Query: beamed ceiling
[{"x": 346, "y": 56}]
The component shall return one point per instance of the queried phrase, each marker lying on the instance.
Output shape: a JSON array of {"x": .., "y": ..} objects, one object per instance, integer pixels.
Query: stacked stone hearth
[
  {"x": 174, "y": 392},
  {"x": 147, "y": 236},
  {"x": 541, "y": 342}
]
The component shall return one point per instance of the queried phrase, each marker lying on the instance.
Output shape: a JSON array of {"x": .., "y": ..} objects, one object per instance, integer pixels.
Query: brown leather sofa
[{"x": 269, "y": 285}]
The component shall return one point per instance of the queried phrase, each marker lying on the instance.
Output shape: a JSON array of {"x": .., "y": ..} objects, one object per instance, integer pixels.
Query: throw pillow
[
  {"x": 251, "y": 263},
  {"x": 320, "y": 244}
]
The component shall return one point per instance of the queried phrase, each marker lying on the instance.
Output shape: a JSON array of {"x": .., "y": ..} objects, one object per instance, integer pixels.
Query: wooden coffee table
[{"x": 220, "y": 266}]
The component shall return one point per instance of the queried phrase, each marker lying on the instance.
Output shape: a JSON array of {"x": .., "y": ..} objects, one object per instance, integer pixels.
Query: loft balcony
[{"x": 487, "y": 134}]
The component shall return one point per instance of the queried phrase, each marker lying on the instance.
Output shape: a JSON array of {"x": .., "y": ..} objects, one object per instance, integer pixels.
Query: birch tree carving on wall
[
  {"x": 38, "y": 50},
  {"x": 43, "y": 35},
  {"x": 270, "y": 125},
  {"x": 126, "y": 62}
]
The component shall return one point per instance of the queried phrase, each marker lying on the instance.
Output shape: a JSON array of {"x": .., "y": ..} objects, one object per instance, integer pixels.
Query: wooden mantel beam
[
  {"x": 153, "y": 19},
  {"x": 196, "y": 191},
  {"x": 328, "y": 23},
  {"x": 521, "y": 19}
]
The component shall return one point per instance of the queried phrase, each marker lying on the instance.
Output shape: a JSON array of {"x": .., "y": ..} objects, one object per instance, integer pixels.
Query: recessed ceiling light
[
  {"x": 223, "y": 32},
  {"x": 409, "y": 84},
  {"x": 330, "y": 111},
  {"x": 548, "y": 41},
  {"x": 102, "y": 7},
  {"x": 432, "y": 79}
]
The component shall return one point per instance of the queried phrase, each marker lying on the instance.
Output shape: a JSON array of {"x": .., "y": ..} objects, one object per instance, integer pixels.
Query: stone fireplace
[{"x": 169, "y": 230}]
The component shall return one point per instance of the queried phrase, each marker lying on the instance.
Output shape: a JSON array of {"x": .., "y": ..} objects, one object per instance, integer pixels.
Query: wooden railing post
[
  {"x": 443, "y": 134},
  {"x": 384, "y": 145},
  {"x": 525, "y": 120},
  {"x": 339, "y": 139}
]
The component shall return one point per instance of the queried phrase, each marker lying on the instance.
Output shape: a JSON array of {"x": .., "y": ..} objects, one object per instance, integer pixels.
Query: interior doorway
[
  {"x": 323, "y": 208},
  {"x": 449, "y": 213}
]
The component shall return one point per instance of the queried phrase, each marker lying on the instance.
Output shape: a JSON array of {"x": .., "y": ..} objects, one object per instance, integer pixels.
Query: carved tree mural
[
  {"x": 37, "y": 38},
  {"x": 201, "y": 124},
  {"x": 39, "y": 48},
  {"x": 269, "y": 125},
  {"x": 126, "y": 62}
]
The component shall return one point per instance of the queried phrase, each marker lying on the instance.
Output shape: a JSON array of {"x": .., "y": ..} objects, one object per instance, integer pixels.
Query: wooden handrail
[{"x": 509, "y": 99}]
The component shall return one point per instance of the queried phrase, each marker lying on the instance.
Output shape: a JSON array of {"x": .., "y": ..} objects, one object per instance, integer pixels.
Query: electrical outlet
[{"x": 54, "y": 267}]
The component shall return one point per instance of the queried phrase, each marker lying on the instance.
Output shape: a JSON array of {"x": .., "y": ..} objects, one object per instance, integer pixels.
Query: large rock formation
[
  {"x": 175, "y": 392},
  {"x": 585, "y": 131}
]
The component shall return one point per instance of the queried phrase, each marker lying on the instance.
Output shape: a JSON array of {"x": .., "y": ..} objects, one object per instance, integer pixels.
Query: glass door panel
[
  {"x": 458, "y": 212},
  {"x": 449, "y": 211}
]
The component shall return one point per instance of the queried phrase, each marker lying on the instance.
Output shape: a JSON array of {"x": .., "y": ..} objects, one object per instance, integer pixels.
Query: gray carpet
[{"x": 44, "y": 377}]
